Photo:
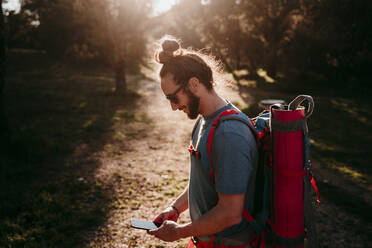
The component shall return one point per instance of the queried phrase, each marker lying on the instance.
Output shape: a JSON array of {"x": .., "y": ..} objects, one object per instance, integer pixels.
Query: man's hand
[
  {"x": 168, "y": 214},
  {"x": 168, "y": 231}
]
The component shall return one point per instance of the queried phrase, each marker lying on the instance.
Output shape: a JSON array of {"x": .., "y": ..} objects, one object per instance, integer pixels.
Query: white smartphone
[{"x": 144, "y": 224}]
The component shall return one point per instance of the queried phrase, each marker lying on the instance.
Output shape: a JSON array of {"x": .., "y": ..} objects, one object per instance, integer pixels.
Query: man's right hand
[{"x": 168, "y": 214}]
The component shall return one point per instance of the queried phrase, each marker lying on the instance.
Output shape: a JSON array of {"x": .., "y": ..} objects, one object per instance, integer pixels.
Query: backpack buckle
[{"x": 194, "y": 152}]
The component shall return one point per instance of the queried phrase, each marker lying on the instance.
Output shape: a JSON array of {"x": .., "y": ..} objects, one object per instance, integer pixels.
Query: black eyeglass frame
[{"x": 173, "y": 96}]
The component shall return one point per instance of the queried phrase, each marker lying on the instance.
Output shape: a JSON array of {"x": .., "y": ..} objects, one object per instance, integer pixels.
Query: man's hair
[{"x": 184, "y": 64}]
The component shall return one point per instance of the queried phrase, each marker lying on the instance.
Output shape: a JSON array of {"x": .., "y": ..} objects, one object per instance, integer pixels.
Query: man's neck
[{"x": 210, "y": 103}]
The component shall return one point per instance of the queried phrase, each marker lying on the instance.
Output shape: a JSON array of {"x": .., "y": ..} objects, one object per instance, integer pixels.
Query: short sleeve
[{"x": 234, "y": 157}]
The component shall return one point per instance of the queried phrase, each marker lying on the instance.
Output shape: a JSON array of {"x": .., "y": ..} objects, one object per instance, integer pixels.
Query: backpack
[{"x": 262, "y": 129}]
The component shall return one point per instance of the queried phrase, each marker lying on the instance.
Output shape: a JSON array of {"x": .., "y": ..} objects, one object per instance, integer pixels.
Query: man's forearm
[
  {"x": 182, "y": 201},
  {"x": 223, "y": 215}
]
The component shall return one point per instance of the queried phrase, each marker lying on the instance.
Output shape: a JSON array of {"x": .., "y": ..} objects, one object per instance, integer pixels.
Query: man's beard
[{"x": 193, "y": 105}]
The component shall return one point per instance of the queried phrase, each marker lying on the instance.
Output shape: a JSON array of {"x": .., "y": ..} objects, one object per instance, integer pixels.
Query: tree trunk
[
  {"x": 121, "y": 83},
  {"x": 4, "y": 128}
]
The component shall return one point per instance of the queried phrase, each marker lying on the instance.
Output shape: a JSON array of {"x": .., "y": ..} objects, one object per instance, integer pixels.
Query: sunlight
[
  {"x": 262, "y": 73},
  {"x": 323, "y": 146},
  {"x": 161, "y": 6},
  {"x": 12, "y": 5}
]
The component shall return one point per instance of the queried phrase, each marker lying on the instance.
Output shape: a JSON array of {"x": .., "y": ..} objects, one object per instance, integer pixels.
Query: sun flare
[
  {"x": 161, "y": 6},
  {"x": 12, "y": 5}
]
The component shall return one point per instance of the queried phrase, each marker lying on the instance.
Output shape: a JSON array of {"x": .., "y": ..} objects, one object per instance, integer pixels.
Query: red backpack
[{"x": 267, "y": 220}]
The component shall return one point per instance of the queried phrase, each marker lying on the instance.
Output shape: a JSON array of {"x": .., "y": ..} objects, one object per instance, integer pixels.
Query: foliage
[
  {"x": 335, "y": 41},
  {"x": 4, "y": 128},
  {"x": 316, "y": 44},
  {"x": 243, "y": 34},
  {"x": 116, "y": 29},
  {"x": 56, "y": 25},
  {"x": 108, "y": 32},
  {"x": 296, "y": 43},
  {"x": 21, "y": 30},
  {"x": 116, "y": 32}
]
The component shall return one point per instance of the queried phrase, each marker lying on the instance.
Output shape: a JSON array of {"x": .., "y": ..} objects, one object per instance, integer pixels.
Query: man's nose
[{"x": 174, "y": 106}]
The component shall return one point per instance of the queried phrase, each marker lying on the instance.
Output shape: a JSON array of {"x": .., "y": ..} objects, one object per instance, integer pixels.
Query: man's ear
[{"x": 194, "y": 85}]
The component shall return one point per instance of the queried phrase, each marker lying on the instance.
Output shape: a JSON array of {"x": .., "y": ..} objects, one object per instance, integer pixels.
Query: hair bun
[{"x": 170, "y": 46}]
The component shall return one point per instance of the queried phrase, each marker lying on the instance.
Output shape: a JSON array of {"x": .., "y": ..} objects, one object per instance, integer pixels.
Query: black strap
[
  {"x": 289, "y": 242},
  {"x": 298, "y": 100},
  {"x": 289, "y": 126}
]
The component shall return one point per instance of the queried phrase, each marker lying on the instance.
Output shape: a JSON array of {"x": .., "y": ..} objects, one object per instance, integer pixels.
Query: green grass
[
  {"x": 342, "y": 138},
  {"x": 49, "y": 195},
  {"x": 48, "y": 216}
]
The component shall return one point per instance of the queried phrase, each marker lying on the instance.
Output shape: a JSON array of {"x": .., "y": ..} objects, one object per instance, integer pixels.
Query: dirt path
[{"x": 147, "y": 174}]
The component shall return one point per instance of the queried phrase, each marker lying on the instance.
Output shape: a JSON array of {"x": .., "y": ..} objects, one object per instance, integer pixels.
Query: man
[{"x": 215, "y": 207}]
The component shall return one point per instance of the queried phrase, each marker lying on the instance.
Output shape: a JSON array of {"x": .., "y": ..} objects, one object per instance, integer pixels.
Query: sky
[
  {"x": 160, "y": 6},
  {"x": 12, "y": 5}
]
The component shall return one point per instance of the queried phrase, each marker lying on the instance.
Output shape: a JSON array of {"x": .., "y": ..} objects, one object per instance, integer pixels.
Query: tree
[
  {"x": 182, "y": 21},
  {"x": 296, "y": 42},
  {"x": 117, "y": 32},
  {"x": 251, "y": 34},
  {"x": 21, "y": 29},
  {"x": 112, "y": 31},
  {"x": 59, "y": 25},
  {"x": 246, "y": 35},
  {"x": 4, "y": 129},
  {"x": 334, "y": 41}
]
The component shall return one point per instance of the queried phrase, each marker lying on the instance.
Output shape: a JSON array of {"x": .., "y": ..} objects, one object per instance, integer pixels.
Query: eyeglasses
[{"x": 173, "y": 96}]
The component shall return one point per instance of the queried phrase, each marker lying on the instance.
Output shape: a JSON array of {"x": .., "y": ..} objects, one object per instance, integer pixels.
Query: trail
[{"x": 151, "y": 170}]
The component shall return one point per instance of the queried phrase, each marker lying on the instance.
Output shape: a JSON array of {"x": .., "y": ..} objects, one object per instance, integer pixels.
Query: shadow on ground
[{"x": 61, "y": 119}]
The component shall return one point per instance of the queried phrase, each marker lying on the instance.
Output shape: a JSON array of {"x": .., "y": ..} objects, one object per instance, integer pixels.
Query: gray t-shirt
[{"x": 234, "y": 157}]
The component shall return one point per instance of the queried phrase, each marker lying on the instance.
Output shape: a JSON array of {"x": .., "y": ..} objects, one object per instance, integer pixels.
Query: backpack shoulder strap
[
  {"x": 195, "y": 126},
  {"x": 249, "y": 123},
  {"x": 230, "y": 114},
  {"x": 233, "y": 114}
]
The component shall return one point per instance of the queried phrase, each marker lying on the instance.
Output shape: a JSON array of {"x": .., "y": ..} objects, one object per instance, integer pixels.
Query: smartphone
[{"x": 144, "y": 224}]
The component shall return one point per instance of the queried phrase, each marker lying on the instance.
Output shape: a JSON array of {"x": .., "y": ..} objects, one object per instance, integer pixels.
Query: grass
[
  {"x": 342, "y": 138},
  {"x": 45, "y": 216},
  {"x": 351, "y": 203},
  {"x": 59, "y": 116}
]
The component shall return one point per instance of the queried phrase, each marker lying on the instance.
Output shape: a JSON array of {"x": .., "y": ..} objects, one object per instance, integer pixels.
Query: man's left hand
[{"x": 168, "y": 231}]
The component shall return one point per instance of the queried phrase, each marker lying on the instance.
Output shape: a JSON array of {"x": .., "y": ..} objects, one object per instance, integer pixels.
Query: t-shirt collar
[{"x": 219, "y": 111}]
